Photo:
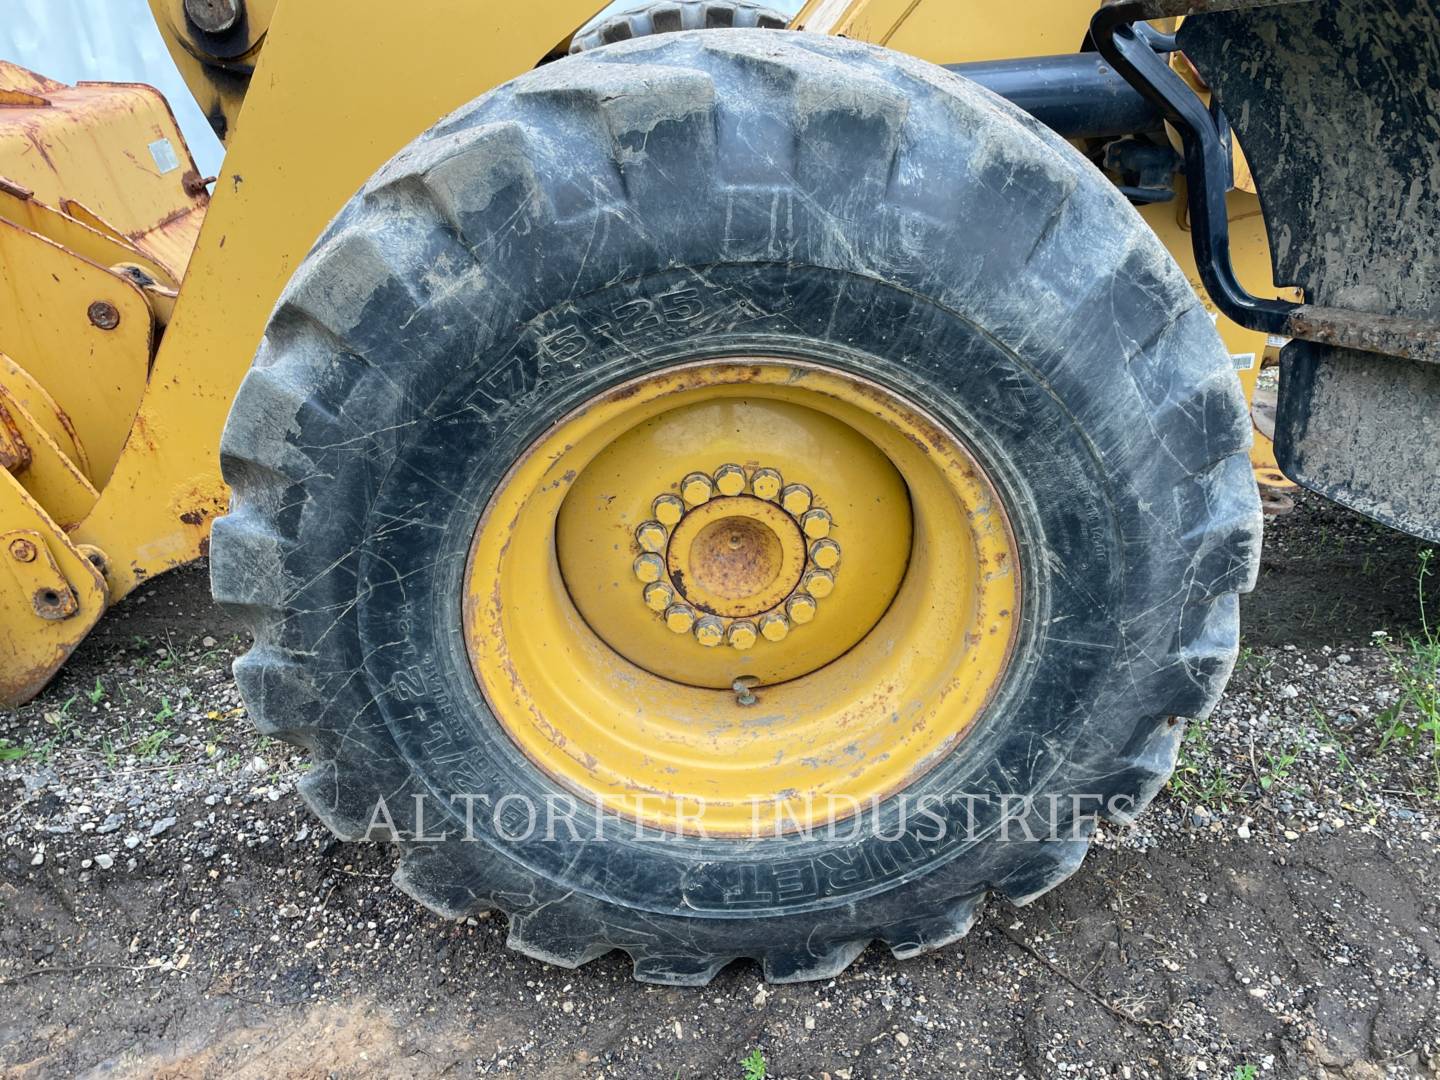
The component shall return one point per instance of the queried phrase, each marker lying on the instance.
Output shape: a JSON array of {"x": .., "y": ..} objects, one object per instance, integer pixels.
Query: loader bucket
[
  {"x": 113, "y": 386},
  {"x": 100, "y": 207}
]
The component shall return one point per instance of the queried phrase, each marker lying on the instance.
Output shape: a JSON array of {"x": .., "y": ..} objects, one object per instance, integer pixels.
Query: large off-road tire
[
  {"x": 703, "y": 196},
  {"x": 670, "y": 16}
]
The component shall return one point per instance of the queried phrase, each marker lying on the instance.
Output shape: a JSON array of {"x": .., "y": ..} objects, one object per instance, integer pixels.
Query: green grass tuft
[
  {"x": 1413, "y": 721},
  {"x": 1200, "y": 777}
]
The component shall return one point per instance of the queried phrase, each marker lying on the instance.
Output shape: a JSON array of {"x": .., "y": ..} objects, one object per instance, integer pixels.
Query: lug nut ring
[{"x": 665, "y": 596}]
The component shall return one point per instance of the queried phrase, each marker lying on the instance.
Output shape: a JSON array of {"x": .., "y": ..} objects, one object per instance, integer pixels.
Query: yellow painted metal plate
[
  {"x": 170, "y": 244},
  {"x": 96, "y": 375},
  {"x": 50, "y": 477},
  {"x": 36, "y": 400},
  {"x": 101, "y": 248},
  {"x": 951, "y": 32},
  {"x": 692, "y": 758},
  {"x": 23, "y": 82},
  {"x": 216, "y": 68},
  {"x": 115, "y": 149},
  {"x": 33, "y": 647}
]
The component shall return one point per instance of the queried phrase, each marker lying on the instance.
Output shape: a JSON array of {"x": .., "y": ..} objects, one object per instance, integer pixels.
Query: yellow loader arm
[{"x": 109, "y": 432}]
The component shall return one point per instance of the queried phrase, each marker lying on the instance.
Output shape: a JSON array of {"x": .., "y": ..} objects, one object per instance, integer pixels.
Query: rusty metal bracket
[
  {"x": 14, "y": 452},
  {"x": 50, "y": 595},
  {"x": 34, "y": 568}
]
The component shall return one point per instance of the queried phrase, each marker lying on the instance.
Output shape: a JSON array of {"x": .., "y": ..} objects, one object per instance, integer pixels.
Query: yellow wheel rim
[{"x": 741, "y": 597}]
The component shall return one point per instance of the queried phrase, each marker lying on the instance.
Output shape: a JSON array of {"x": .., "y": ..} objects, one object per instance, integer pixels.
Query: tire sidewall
[{"x": 445, "y": 471}]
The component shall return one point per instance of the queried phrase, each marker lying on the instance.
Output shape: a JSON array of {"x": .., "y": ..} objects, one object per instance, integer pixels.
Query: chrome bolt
[
  {"x": 774, "y": 626},
  {"x": 650, "y": 536},
  {"x": 709, "y": 631},
  {"x": 815, "y": 523},
  {"x": 659, "y": 596},
  {"x": 766, "y": 484},
  {"x": 668, "y": 510},
  {"x": 825, "y": 554},
  {"x": 818, "y": 583},
  {"x": 696, "y": 488},
  {"x": 679, "y": 618},
  {"x": 800, "y": 608},
  {"x": 741, "y": 635},
  {"x": 795, "y": 498},
  {"x": 649, "y": 567},
  {"x": 730, "y": 479}
]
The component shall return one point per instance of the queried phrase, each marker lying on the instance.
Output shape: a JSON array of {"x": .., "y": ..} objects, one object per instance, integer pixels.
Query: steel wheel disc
[{"x": 728, "y": 529}]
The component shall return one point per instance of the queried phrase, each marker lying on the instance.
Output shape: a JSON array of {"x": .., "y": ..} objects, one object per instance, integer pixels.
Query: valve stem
[{"x": 744, "y": 687}]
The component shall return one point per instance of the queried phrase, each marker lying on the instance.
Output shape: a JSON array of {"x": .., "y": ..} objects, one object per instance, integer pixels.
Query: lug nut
[
  {"x": 695, "y": 488},
  {"x": 649, "y": 567},
  {"x": 800, "y": 608},
  {"x": 650, "y": 536},
  {"x": 741, "y": 635},
  {"x": 668, "y": 509},
  {"x": 815, "y": 523},
  {"x": 774, "y": 626},
  {"x": 22, "y": 550},
  {"x": 825, "y": 554},
  {"x": 659, "y": 596},
  {"x": 730, "y": 479},
  {"x": 709, "y": 631},
  {"x": 679, "y": 618},
  {"x": 795, "y": 498},
  {"x": 766, "y": 484},
  {"x": 818, "y": 583}
]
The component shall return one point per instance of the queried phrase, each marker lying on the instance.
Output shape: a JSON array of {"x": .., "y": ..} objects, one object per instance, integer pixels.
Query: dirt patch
[
  {"x": 168, "y": 907},
  {"x": 351, "y": 1038},
  {"x": 1329, "y": 577}
]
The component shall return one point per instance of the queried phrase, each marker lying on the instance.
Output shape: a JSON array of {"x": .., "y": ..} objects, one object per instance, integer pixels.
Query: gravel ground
[{"x": 169, "y": 908}]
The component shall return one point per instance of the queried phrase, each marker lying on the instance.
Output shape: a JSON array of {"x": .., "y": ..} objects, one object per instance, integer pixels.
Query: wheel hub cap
[
  {"x": 722, "y": 520},
  {"x": 737, "y": 557}
]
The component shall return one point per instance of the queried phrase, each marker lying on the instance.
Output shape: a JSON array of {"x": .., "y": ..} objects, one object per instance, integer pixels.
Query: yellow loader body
[{"x": 126, "y": 326}]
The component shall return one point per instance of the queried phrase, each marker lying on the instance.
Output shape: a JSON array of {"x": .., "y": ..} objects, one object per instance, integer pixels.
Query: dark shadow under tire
[{"x": 812, "y": 198}]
